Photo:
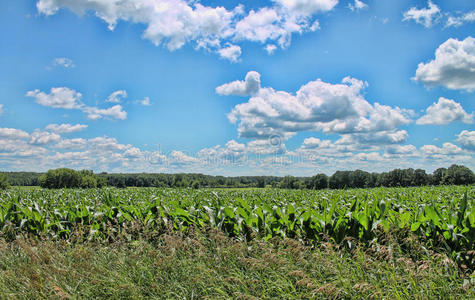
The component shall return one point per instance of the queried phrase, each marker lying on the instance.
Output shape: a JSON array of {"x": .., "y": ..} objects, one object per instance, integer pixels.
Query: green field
[{"x": 219, "y": 243}]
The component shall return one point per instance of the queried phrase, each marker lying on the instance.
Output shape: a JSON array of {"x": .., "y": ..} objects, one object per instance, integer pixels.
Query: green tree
[{"x": 4, "y": 183}]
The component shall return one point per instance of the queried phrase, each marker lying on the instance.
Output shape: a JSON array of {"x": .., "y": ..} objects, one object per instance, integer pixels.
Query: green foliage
[
  {"x": 69, "y": 178},
  {"x": 443, "y": 217},
  {"x": 4, "y": 183}
]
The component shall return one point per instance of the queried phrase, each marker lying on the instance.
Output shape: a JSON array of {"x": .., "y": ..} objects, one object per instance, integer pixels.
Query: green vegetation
[
  {"x": 210, "y": 265},
  {"x": 68, "y": 178},
  {"x": 4, "y": 183},
  {"x": 234, "y": 243},
  {"x": 454, "y": 175}
]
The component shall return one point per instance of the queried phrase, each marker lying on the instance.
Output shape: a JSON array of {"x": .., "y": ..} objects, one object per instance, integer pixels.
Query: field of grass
[{"x": 262, "y": 243}]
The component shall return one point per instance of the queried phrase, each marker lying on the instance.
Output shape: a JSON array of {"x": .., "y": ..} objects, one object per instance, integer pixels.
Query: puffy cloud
[
  {"x": 78, "y": 143},
  {"x": 231, "y": 152},
  {"x": 250, "y": 86},
  {"x": 376, "y": 138},
  {"x": 13, "y": 133},
  {"x": 313, "y": 143},
  {"x": 180, "y": 158},
  {"x": 317, "y": 106},
  {"x": 59, "y": 97},
  {"x": 453, "y": 66},
  {"x": 65, "y": 128},
  {"x": 44, "y": 137},
  {"x": 401, "y": 150},
  {"x": 456, "y": 21},
  {"x": 447, "y": 149},
  {"x": 270, "y": 48},
  {"x": 230, "y": 52},
  {"x": 308, "y": 7},
  {"x": 66, "y": 98},
  {"x": 424, "y": 16},
  {"x": 19, "y": 148},
  {"x": 177, "y": 22},
  {"x": 116, "y": 96},
  {"x": 358, "y": 5},
  {"x": 114, "y": 112},
  {"x": 63, "y": 62},
  {"x": 467, "y": 139},
  {"x": 444, "y": 112}
]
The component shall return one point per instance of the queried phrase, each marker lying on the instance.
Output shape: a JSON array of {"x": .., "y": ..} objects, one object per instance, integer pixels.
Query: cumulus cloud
[
  {"x": 230, "y": 52},
  {"x": 316, "y": 106},
  {"x": 66, "y": 98},
  {"x": 114, "y": 112},
  {"x": 448, "y": 149},
  {"x": 117, "y": 96},
  {"x": 13, "y": 133},
  {"x": 401, "y": 150},
  {"x": 467, "y": 139},
  {"x": 250, "y": 86},
  {"x": 59, "y": 97},
  {"x": 444, "y": 112},
  {"x": 453, "y": 66},
  {"x": 65, "y": 128},
  {"x": 63, "y": 62},
  {"x": 43, "y": 137},
  {"x": 175, "y": 23},
  {"x": 78, "y": 143},
  {"x": 457, "y": 21},
  {"x": 270, "y": 48},
  {"x": 424, "y": 16},
  {"x": 308, "y": 7},
  {"x": 358, "y": 5}
]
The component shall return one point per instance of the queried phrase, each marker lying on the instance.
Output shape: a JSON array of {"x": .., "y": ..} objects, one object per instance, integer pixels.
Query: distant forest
[{"x": 455, "y": 174}]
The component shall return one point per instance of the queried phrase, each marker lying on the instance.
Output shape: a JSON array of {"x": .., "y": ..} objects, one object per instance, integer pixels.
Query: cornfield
[{"x": 443, "y": 217}]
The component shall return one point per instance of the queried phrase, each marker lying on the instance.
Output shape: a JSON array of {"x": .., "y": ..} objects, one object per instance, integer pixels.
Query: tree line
[{"x": 58, "y": 178}]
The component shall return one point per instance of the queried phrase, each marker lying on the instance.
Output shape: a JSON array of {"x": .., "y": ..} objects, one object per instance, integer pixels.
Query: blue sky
[{"x": 236, "y": 87}]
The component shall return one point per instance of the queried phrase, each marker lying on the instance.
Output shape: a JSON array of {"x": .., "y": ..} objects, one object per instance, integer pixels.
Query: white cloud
[
  {"x": 145, "y": 101},
  {"x": 114, "y": 112},
  {"x": 456, "y": 21},
  {"x": 447, "y": 149},
  {"x": 66, "y": 98},
  {"x": 59, "y": 97},
  {"x": 117, "y": 96},
  {"x": 174, "y": 23},
  {"x": 317, "y": 106},
  {"x": 270, "y": 48},
  {"x": 467, "y": 139},
  {"x": 424, "y": 16},
  {"x": 308, "y": 7},
  {"x": 1, "y": 109},
  {"x": 78, "y": 143},
  {"x": 65, "y": 128},
  {"x": 63, "y": 62},
  {"x": 44, "y": 137},
  {"x": 453, "y": 66},
  {"x": 230, "y": 52},
  {"x": 401, "y": 150},
  {"x": 312, "y": 143},
  {"x": 358, "y": 5},
  {"x": 444, "y": 112},
  {"x": 12, "y": 133},
  {"x": 250, "y": 86}
]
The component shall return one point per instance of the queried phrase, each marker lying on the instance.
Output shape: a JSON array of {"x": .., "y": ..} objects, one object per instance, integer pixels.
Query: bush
[
  {"x": 4, "y": 184},
  {"x": 69, "y": 178}
]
